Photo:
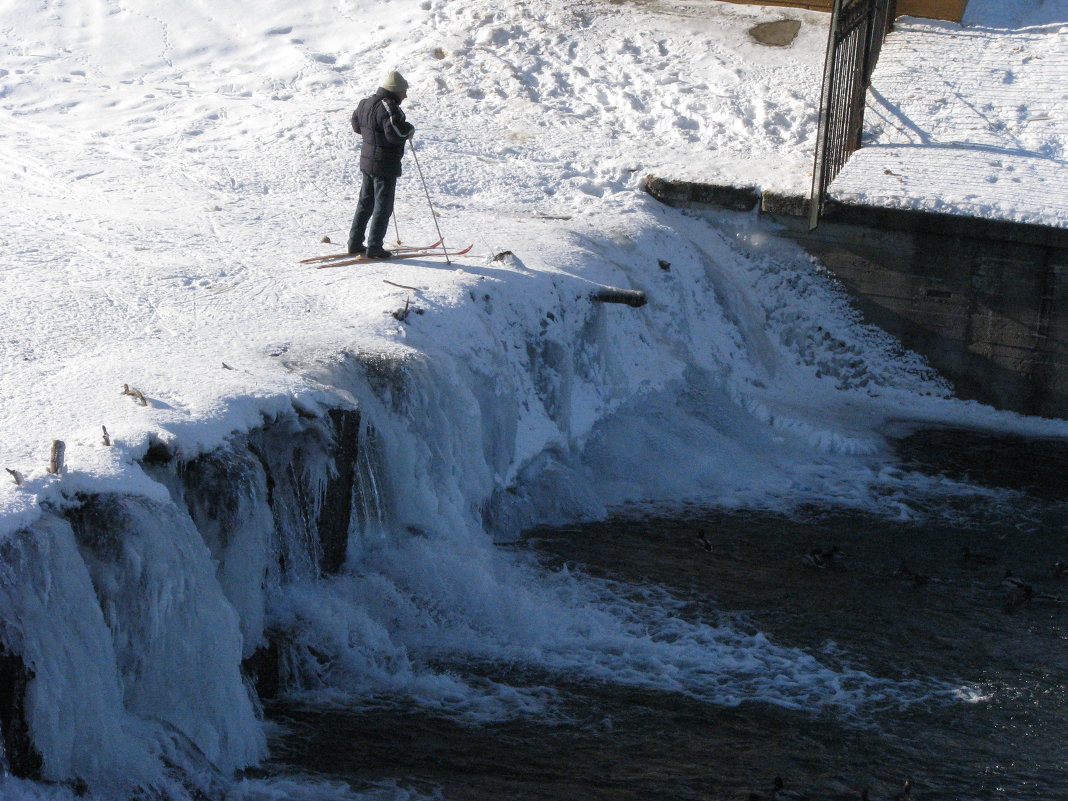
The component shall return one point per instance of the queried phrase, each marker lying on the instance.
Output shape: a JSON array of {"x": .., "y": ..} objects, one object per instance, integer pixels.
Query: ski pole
[
  {"x": 426, "y": 191},
  {"x": 396, "y": 228}
]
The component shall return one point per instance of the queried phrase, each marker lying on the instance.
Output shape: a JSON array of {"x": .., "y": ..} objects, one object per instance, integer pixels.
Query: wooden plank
[
  {"x": 811, "y": 5},
  {"x": 932, "y": 9}
]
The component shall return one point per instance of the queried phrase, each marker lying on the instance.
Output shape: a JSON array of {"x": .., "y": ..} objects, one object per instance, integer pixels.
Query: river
[{"x": 946, "y": 675}]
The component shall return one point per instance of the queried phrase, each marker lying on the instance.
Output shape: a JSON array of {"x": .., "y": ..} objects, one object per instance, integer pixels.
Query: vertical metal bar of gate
[
  {"x": 857, "y": 30},
  {"x": 816, "y": 199}
]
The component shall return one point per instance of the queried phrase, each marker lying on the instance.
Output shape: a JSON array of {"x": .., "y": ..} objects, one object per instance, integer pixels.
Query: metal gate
[{"x": 858, "y": 28}]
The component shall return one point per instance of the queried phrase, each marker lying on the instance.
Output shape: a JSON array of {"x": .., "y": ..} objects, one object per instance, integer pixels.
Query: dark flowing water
[{"x": 903, "y": 601}]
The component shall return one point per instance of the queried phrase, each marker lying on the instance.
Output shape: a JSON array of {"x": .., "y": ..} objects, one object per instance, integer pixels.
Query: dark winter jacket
[{"x": 381, "y": 122}]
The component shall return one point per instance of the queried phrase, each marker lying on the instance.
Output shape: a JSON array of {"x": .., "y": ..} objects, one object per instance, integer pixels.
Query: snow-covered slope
[{"x": 166, "y": 165}]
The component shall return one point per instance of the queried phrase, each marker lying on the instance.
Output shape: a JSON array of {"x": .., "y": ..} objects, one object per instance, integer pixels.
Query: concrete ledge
[
  {"x": 792, "y": 205},
  {"x": 918, "y": 221},
  {"x": 688, "y": 193}
]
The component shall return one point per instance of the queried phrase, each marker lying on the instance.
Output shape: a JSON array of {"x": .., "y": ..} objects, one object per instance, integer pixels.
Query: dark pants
[{"x": 375, "y": 206}]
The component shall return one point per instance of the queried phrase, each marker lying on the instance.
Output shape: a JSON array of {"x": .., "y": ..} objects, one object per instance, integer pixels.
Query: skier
[{"x": 381, "y": 123}]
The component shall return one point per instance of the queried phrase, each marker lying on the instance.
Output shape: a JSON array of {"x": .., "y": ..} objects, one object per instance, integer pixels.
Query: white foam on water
[
  {"x": 13, "y": 789},
  {"x": 416, "y": 621},
  {"x": 283, "y": 788},
  {"x": 290, "y": 788}
]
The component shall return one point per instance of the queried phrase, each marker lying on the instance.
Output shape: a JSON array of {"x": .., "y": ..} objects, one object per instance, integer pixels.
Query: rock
[
  {"x": 16, "y": 742},
  {"x": 780, "y": 33}
]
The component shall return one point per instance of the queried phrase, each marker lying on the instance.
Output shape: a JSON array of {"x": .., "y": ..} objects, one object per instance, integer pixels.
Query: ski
[
  {"x": 399, "y": 249},
  {"x": 418, "y": 254}
]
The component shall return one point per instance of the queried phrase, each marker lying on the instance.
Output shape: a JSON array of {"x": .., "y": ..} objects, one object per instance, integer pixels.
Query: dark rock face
[
  {"x": 335, "y": 511},
  {"x": 99, "y": 524},
  {"x": 23, "y": 760},
  {"x": 264, "y": 670},
  {"x": 220, "y": 487}
]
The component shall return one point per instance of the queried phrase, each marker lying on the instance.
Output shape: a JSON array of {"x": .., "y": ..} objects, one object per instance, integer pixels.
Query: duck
[
  {"x": 702, "y": 541},
  {"x": 832, "y": 554},
  {"x": 814, "y": 559},
  {"x": 1019, "y": 592},
  {"x": 821, "y": 557},
  {"x": 780, "y": 793},
  {"x": 1014, "y": 584},
  {"x": 1060, "y": 570},
  {"x": 906, "y": 792}
]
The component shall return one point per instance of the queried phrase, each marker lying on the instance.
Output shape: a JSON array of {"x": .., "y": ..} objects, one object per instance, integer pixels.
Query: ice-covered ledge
[{"x": 986, "y": 300}]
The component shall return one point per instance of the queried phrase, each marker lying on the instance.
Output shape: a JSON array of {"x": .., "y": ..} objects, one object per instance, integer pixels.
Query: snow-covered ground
[
  {"x": 969, "y": 120},
  {"x": 162, "y": 169}
]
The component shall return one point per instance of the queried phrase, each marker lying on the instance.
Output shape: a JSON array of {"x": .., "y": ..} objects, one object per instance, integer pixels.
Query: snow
[
  {"x": 968, "y": 120},
  {"x": 163, "y": 167}
]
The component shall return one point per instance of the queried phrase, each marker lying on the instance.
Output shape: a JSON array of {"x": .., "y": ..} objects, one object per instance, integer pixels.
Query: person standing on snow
[{"x": 381, "y": 123}]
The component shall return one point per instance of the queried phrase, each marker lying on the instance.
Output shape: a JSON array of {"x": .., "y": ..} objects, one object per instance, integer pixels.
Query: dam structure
[{"x": 949, "y": 226}]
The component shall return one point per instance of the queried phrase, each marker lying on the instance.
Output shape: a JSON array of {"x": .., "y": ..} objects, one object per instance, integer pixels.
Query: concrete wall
[{"x": 985, "y": 302}]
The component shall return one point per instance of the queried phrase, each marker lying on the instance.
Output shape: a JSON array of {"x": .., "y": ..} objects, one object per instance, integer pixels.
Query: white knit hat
[{"x": 396, "y": 84}]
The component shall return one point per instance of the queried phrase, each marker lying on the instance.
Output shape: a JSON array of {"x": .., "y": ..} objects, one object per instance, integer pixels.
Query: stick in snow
[
  {"x": 136, "y": 394},
  {"x": 55, "y": 461},
  {"x": 15, "y": 474},
  {"x": 107, "y": 437},
  {"x": 611, "y": 294},
  {"x": 402, "y": 286}
]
